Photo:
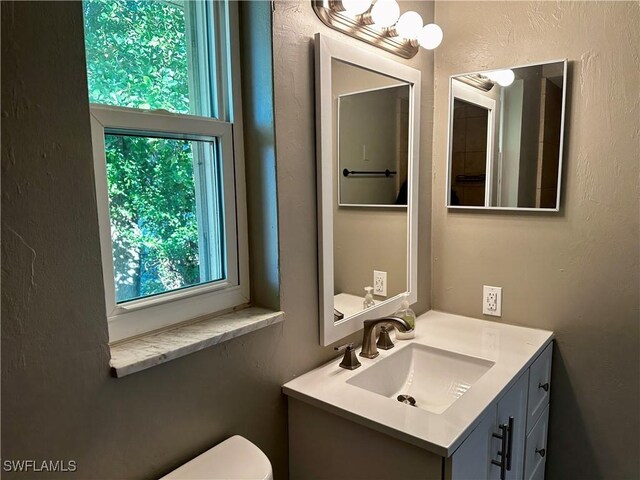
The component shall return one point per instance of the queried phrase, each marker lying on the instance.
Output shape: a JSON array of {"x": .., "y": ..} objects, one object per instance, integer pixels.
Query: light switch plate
[{"x": 492, "y": 301}]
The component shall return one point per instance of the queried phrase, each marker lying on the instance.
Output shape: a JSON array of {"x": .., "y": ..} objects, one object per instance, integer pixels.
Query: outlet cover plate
[
  {"x": 492, "y": 301},
  {"x": 380, "y": 283}
]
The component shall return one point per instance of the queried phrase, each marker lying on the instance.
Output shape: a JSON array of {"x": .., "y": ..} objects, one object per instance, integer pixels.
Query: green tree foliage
[
  {"x": 137, "y": 54},
  {"x": 137, "y": 57}
]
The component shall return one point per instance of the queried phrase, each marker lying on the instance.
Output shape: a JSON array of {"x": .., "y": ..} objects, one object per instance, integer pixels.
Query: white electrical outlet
[
  {"x": 492, "y": 301},
  {"x": 380, "y": 283}
]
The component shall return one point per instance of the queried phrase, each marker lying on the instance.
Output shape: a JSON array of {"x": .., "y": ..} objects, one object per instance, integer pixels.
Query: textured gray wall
[
  {"x": 58, "y": 400},
  {"x": 575, "y": 272}
]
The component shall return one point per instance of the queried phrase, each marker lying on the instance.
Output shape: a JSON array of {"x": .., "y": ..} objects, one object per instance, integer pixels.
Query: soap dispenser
[
  {"x": 406, "y": 314},
  {"x": 368, "y": 298}
]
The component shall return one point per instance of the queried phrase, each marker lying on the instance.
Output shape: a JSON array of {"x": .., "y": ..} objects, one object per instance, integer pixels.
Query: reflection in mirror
[
  {"x": 373, "y": 136},
  {"x": 506, "y": 130},
  {"x": 371, "y": 120},
  {"x": 367, "y": 120}
]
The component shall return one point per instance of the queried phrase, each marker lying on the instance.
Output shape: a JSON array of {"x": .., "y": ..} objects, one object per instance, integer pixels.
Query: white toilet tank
[{"x": 234, "y": 459}]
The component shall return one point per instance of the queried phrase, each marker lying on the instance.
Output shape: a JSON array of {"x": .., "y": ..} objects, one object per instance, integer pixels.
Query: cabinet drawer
[
  {"x": 539, "y": 386},
  {"x": 535, "y": 455}
]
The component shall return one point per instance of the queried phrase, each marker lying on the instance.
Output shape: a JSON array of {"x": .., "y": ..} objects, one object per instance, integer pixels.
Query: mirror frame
[
  {"x": 326, "y": 50},
  {"x": 565, "y": 62}
]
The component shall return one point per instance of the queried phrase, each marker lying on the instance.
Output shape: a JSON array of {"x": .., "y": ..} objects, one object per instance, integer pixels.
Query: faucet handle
[
  {"x": 349, "y": 361},
  {"x": 384, "y": 341}
]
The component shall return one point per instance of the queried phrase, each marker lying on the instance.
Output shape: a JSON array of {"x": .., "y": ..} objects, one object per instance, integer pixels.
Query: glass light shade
[
  {"x": 385, "y": 13},
  {"x": 409, "y": 25},
  {"x": 430, "y": 36},
  {"x": 504, "y": 78},
  {"x": 356, "y": 7}
]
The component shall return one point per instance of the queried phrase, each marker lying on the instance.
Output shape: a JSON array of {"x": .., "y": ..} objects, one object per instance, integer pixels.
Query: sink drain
[{"x": 408, "y": 399}]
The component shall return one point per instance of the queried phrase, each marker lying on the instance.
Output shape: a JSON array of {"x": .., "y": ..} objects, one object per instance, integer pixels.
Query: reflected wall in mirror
[
  {"x": 368, "y": 116},
  {"x": 373, "y": 137},
  {"x": 505, "y": 138}
]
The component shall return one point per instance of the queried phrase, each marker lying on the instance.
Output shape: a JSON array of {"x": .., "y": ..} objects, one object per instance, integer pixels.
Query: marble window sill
[{"x": 157, "y": 348}]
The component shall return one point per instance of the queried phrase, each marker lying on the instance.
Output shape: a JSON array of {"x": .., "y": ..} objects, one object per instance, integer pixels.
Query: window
[{"x": 163, "y": 87}]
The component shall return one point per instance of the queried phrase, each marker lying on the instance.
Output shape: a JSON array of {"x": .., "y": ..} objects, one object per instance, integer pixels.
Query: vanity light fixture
[{"x": 379, "y": 23}]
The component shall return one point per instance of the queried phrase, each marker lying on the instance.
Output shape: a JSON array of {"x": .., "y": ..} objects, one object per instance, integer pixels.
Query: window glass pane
[
  {"x": 149, "y": 54},
  {"x": 166, "y": 216}
]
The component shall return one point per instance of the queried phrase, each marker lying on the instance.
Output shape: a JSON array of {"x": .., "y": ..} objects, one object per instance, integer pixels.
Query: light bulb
[
  {"x": 409, "y": 25},
  {"x": 385, "y": 13},
  {"x": 430, "y": 36},
  {"x": 504, "y": 78},
  {"x": 356, "y": 7}
]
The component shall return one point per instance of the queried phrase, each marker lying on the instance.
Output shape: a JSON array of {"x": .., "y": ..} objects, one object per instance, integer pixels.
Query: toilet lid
[{"x": 234, "y": 459}]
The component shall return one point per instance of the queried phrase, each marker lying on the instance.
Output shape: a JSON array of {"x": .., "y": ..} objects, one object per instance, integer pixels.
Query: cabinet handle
[
  {"x": 541, "y": 451},
  {"x": 544, "y": 386},
  {"x": 509, "y": 443},
  {"x": 503, "y": 436},
  {"x": 506, "y": 447}
]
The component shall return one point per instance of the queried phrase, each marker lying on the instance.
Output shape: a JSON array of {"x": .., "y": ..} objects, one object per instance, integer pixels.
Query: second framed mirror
[{"x": 506, "y": 131}]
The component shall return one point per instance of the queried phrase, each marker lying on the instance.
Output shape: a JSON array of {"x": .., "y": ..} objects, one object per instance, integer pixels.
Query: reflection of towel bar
[
  {"x": 387, "y": 173},
  {"x": 471, "y": 178}
]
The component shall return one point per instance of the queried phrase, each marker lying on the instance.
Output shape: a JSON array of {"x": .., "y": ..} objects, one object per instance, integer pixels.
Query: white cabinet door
[
  {"x": 472, "y": 459},
  {"x": 512, "y": 411}
]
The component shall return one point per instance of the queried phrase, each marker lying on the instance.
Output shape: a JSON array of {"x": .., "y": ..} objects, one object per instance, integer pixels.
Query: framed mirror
[
  {"x": 367, "y": 133},
  {"x": 506, "y": 130}
]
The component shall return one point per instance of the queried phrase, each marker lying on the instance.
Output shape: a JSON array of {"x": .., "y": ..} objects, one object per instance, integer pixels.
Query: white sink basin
[
  {"x": 452, "y": 390},
  {"x": 434, "y": 378}
]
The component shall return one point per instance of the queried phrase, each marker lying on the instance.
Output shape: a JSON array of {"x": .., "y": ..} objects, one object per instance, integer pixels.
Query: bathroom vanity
[{"x": 480, "y": 393}]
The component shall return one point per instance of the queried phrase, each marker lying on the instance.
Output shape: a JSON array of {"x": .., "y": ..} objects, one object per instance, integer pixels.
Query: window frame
[{"x": 147, "y": 314}]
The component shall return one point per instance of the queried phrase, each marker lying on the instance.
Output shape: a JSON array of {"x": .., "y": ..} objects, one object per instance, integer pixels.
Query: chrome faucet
[{"x": 369, "y": 348}]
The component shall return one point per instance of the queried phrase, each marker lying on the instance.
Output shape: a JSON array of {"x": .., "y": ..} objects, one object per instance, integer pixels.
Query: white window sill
[{"x": 154, "y": 349}]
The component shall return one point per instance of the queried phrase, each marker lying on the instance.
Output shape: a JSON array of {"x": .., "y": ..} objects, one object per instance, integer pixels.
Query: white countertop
[{"x": 512, "y": 348}]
